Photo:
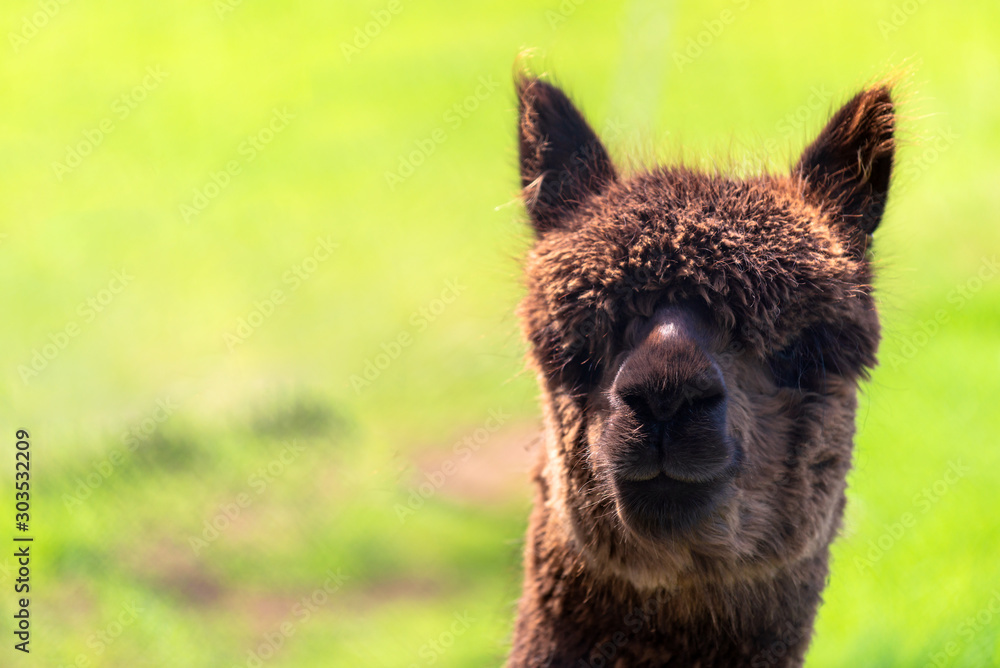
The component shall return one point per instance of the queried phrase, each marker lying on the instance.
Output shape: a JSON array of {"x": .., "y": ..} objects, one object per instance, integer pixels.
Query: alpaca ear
[
  {"x": 562, "y": 160},
  {"x": 851, "y": 161}
]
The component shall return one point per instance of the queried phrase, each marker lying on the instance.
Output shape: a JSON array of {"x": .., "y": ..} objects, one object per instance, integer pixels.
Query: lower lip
[{"x": 665, "y": 505}]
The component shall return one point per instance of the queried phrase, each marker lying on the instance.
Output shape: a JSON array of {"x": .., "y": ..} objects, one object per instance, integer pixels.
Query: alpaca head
[{"x": 699, "y": 339}]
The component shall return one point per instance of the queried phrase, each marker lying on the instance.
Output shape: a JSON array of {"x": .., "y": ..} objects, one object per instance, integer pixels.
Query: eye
[
  {"x": 821, "y": 350},
  {"x": 788, "y": 365},
  {"x": 805, "y": 362},
  {"x": 572, "y": 354}
]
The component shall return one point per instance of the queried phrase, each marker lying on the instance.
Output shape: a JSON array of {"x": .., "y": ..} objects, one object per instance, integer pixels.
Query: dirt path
[{"x": 487, "y": 471}]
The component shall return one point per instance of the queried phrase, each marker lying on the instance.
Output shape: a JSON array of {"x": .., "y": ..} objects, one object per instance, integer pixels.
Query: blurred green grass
[{"x": 333, "y": 507}]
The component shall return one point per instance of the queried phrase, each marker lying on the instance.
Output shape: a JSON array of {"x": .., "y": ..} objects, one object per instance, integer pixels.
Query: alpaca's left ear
[
  {"x": 850, "y": 162},
  {"x": 562, "y": 160}
]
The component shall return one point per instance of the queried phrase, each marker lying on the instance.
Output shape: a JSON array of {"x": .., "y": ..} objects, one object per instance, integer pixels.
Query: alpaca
[{"x": 699, "y": 340}]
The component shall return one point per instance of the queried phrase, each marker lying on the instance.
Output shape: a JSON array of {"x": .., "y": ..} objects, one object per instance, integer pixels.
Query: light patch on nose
[{"x": 667, "y": 330}]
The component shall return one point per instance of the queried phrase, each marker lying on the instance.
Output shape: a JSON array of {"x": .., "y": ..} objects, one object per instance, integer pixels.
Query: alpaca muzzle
[{"x": 667, "y": 444}]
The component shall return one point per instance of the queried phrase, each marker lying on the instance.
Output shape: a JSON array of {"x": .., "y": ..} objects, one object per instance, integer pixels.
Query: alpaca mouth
[{"x": 662, "y": 505}]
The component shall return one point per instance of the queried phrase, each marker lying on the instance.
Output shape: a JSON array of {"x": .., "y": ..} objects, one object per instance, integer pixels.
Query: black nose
[
  {"x": 662, "y": 403},
  {"x": 673, "y": 396}
]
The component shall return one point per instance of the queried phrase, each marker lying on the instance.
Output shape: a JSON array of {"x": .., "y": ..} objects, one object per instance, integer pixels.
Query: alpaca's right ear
[{"x": 562, "y": 160}]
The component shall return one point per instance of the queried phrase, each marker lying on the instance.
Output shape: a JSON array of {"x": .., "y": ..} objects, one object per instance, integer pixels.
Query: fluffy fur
[{"x": 775, "y": 272}]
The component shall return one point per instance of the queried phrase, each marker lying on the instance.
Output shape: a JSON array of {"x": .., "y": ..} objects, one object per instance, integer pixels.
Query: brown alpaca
[{"x": 699, "y": 340}]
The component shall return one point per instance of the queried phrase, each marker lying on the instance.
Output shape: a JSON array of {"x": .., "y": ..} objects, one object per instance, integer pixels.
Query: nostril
[
  {"x": 650, "y": 406},
  {"x": 637, "y": 403},
  {"x": 705, "y": 403},
  {"x": 646, "y": 414},
  {"x": 705, "y": 392}
]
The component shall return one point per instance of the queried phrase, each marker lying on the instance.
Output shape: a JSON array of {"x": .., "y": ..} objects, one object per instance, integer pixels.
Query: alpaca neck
[{"x": 571, "y": 616}]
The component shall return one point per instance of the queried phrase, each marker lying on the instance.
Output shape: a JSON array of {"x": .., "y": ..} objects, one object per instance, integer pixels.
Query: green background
[{"x": 198, "y": 404}]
